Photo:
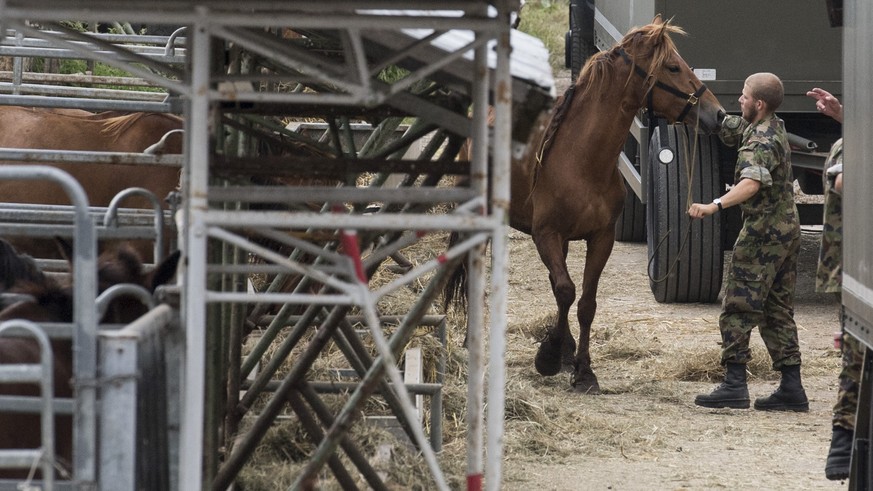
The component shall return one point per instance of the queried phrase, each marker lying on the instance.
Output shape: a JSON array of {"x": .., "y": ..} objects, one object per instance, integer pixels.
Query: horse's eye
[{"x": 673, "y": 69}]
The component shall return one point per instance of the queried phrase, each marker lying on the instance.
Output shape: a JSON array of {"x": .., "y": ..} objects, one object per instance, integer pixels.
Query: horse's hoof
[
  {"x": 548, "y": 359},
  {"x": 586, "y": 383}
]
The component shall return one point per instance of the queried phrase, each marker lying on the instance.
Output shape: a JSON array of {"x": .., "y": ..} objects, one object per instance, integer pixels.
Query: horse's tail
[{"x": 455, "y": 290}]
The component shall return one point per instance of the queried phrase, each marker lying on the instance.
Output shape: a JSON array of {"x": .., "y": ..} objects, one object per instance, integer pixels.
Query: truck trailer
[{"x": 725, "y": 42}]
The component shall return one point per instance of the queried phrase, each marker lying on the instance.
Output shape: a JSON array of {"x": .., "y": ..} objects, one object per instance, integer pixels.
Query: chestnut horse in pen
[
  {"x": 569, "y": 187},
  {"x": 73, "y": 129}
]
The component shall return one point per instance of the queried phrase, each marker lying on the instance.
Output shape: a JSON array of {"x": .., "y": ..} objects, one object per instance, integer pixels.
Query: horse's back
[{"x": 75, "y": 130}]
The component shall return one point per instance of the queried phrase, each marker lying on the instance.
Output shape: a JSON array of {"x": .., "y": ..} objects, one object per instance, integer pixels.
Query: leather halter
[{"x": 691, "y": 100}]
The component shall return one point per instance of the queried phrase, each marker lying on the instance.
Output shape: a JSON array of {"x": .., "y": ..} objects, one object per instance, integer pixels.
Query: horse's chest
[{"x": 577, "y": 208}]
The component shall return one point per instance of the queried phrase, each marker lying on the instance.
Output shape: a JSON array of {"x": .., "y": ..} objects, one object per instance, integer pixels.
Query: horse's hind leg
[
  {"x": 598, "y": 251},
  {"x": 552, "y": 249}
]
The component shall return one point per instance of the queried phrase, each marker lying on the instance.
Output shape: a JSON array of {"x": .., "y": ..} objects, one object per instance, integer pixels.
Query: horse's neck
[{"x": 603, "y": 118}]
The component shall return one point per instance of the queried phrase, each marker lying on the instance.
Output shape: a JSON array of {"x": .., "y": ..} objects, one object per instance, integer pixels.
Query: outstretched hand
[{"x": 826, "y": 103}]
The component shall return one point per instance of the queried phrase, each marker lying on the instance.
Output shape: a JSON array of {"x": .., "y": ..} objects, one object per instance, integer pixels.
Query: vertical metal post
[
  {"x": 194, "y": 291},
  {"x": 118, "y": 410},
  {"x": 174, "y": 354},
  {"x": 85, "y": 338},
  {"x": 476, "y": 279},
  {"x": 499, "y": 248},
  {"x": 17, "y": 66}
]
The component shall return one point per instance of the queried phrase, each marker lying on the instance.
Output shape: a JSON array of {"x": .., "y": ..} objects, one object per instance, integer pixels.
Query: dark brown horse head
[
  {"x": 123, "y": 265},
  {"x": 50, "y": 300},
  {"x": 669, "y": 86}
]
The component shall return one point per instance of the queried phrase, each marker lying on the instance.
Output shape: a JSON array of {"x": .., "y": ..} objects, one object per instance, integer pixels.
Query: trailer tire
[
  {"x": 684, "y": 265},
  {"x": 631, "y": 224},
  {"x": 579, "y": 40}
]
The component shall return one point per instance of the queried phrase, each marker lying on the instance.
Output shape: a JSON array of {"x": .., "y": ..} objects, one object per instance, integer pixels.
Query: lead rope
[{"x": 689, "y": 173}]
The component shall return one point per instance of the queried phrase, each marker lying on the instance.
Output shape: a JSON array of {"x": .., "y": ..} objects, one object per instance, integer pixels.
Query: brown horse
[
  {"x": 568, "y": 186},
  {"x": 73, "y": 129},
  {"x": 51, "y": 300}
]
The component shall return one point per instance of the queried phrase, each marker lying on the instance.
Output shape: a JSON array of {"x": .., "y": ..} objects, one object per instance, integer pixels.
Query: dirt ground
[{"x": 644, "y": 432}]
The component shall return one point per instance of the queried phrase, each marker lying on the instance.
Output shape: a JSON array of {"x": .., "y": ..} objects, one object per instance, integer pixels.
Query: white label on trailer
[{"x": 705, "y": 73}]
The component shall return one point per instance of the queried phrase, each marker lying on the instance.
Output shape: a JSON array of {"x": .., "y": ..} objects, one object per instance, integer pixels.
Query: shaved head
[{"x": 768, "y": 88}]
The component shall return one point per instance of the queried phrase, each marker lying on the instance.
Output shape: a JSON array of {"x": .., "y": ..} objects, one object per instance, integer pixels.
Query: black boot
[
  {"x": 732, "y": 393},
  {"x": 789, "y": 396},
  {"x": 840, "y": 454}
]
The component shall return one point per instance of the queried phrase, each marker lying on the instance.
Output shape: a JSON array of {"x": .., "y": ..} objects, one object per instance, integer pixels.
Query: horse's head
[
  {"x": 123, "y": 265},
  {"x": 670, "y": 86},
  {"x": 44, "y": 299}
]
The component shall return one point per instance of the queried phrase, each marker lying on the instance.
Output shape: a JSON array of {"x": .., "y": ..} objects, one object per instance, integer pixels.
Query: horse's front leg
[
  {"x": 598, "y": 251},
  {"x": 552, "y": 249}
]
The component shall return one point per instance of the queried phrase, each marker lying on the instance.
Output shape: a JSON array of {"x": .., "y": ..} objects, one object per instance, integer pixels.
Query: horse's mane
[
  {"x": 16, "y": 267},
  {"x": 651, "y": 42},
  {"x": 115, "y": 126}
]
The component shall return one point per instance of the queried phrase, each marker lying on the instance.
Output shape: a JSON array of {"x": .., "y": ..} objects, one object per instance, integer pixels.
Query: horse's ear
[
  {"x": 65, "y": 248},
  {"x": 657, "y": 19},
  {"x": 165, "y": 271}
]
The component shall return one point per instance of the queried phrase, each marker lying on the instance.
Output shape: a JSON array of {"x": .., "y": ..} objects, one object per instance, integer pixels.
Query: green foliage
[
  {"x": 72, "y": 66},
  {"x": 392, "y": 74},
  {"x": 101, "y": 69},
  {"x": 548, "y": 20},
  {"x": 79, "y": 26}
]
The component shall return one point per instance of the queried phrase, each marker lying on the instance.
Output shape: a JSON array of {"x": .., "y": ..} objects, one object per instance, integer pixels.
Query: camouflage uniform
[
  {"x": 763, "y": 269},
  {"x": 828, "y": 278}
]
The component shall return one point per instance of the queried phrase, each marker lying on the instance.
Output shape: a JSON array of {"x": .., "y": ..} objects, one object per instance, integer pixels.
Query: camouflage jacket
[
  {"x": 764, "y": 156},
  {"x": 828, "y": 277}
]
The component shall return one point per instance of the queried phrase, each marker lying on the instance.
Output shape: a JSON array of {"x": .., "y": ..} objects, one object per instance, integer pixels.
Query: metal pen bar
[
  {"x": 346, "y": 194},
  {"x": 89, "y": 104},
  {"x": 397, "y": 221},
  {"x": 90, "y": 157},
  {"x": 87, "y": 92}
]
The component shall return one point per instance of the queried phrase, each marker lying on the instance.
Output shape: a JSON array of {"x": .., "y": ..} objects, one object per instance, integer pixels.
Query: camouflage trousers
[
  {"x": 850, "y": 381},
  {"x": 760, "y": 292}
]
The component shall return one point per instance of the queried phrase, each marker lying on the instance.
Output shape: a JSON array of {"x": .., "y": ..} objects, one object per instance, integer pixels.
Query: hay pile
[{"x": 638, "y": 348}]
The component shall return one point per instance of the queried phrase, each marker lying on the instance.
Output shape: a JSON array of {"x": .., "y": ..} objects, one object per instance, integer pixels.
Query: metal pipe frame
[
  {"x": 213, "y": 23},
  {"x": 84, "y": 316},
  {"x": 41, "y": 374}
]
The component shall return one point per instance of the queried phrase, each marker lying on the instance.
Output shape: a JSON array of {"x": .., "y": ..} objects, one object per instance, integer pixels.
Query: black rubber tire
[
  {"x": 684, "y": 266},
  {"x": 631, "y": 224},
  {"x": 579, "y": 40}
]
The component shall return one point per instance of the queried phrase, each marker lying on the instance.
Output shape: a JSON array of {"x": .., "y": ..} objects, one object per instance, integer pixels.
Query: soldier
[
  {"x": 763, "y": 269},
  {"x": 828, "y": 279}
]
